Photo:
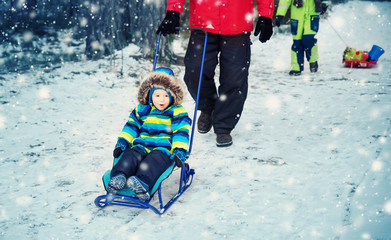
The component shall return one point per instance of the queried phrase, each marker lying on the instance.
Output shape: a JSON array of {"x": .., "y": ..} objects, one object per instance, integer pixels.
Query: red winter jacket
[{"x": 226, "y": 17}]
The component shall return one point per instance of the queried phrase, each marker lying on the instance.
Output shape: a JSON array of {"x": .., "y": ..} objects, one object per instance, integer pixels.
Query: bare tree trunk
[
  {"x": 107, "y": 28},
  {"x": 147, "y": 16},
  {"x": 113, "y": 24},
  {"x": 146, "y": 19}
]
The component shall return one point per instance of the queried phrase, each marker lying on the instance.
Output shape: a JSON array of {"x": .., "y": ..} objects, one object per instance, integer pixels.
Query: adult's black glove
[
  {"x": 279, "y": 20},
  {"x": 265, "y": 27},
  {"x": 324, "y": 7},
  {"x": 169, "y": 23}
]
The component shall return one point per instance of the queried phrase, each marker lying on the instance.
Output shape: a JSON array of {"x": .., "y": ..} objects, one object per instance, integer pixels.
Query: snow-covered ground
[{"x": 310, "y": 159}]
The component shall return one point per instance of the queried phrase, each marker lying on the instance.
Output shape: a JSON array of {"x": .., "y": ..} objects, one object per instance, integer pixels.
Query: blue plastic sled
[{"x": 127, "y": 197}]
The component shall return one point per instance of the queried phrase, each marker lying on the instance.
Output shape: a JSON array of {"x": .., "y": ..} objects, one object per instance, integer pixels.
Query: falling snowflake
[
  {"x": 371, "y": 9},
  {"x": 375, "y": 113},
  {"x": 41, "y": 178},
  {"x": 21, "y": 79},
  {"x": 336, "y": 131},
  {"x": 249, "y": 126},
  {"x": 382, "y": 140},
  {"x": 44, "y": 93},
  {"x": 83, "y": 22},
  {"x": 338, "y": 22},
  {"x": 273, "y": 103},
  {"x": 377, "y": 165},
  {"x": 387, "y": 207},
  {"x": 365, "y": 236},
  {"x": 24, "y": 200},
  {"x": 223, "y": 97},
  {"x": 279, "y": 64},
  {"x": 85, "y": 218},
  {"x": 28, "y": 36},
  {"x": 143, "y": 166},
  {"x": 3, "y": 214},
  {"x": 249, "y": 17},
  {"x": 2, "y": 122}
]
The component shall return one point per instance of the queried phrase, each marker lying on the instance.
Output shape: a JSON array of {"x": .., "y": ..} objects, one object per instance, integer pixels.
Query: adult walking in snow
[
  {"x": 229, "y": 25},
  {"x": 304, "y": 26}
]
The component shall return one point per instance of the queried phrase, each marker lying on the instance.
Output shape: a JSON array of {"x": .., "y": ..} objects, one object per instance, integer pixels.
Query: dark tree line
[
  {"x": 105, "y": 25},
  {"x": 113, "y": 24}
]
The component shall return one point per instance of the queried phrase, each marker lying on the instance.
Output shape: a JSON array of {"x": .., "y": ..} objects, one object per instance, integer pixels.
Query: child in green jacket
[{"x": 304, "y": 26}]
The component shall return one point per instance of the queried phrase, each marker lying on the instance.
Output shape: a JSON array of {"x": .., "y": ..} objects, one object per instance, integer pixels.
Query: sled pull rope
[
  {"x": 199, "y": 82},
  {"x": 156, "y": 52},
  {"x": 327, "y": 20},
  {"x": 200, "y": 77}
]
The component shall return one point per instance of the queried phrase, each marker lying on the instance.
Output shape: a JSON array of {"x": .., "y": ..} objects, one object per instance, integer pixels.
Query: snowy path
[{"x": 310, "y": 160}]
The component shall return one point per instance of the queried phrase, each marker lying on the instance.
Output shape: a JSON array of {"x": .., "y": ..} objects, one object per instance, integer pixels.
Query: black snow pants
[
  {"x": 233, "y": 52},
  {"x": 147, "y": 167}
]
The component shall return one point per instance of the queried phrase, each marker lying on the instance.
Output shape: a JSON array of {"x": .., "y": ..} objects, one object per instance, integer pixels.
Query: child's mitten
[
  {"x": 119, "y": 148},
  {"x": 179, "y": 156}
]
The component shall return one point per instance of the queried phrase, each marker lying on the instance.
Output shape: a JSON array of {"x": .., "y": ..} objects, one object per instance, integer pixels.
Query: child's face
[{"x": 160, "y": 99}]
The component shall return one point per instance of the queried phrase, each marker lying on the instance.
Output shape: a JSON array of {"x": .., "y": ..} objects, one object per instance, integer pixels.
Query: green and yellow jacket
[{"x": 304, "y": 15}]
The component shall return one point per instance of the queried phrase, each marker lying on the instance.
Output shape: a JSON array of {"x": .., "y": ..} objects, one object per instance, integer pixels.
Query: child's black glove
[
  {"x": 324, "y": 7},
  {"x": 265, "y": 27},
  {"x": 179, "y": 156},
  {"x": 119, "y": 148},
  {"x": 169, "y": 23},
  {"x": 279, "y": 20}
]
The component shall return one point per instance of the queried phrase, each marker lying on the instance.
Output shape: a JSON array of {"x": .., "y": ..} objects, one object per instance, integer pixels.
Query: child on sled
[{"x": 155, "y": 135}]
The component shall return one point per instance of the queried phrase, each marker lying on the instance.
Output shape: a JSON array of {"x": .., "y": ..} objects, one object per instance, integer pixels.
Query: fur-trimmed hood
[{"x": 161, "y": 80}]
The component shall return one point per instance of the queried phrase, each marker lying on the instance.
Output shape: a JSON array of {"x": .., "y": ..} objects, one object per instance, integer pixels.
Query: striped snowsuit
[
  {"x": 151, "y": 129},
  {"x": 152, "y": 135}
]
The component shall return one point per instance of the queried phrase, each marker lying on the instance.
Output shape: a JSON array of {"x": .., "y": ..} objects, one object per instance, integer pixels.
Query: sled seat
[{"x": 126, "y": 197}]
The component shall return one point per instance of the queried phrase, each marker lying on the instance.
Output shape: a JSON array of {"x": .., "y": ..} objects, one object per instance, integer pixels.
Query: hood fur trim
[{"x": 162, "y": 80}]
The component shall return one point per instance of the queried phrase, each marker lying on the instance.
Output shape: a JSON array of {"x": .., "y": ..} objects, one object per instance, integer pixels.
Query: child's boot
[
  {"x": 116, "y": 183},
  {"x": 139, "y": 187},
  {"x": 314, "y": 67},
  {"x": 294, "y": 73}
]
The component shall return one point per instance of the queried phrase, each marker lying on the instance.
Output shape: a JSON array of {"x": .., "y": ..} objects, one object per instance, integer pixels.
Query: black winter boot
[
  {"x": 223, "y": 139},
  {"x": 314, "y": 67},
  {"x": 294, "y": 73},
  {"x": 204, "y": 123}
]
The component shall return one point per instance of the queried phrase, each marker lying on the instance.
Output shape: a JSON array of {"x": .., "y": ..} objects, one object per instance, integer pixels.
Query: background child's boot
[
  {"x": 294, "y": 73},
  {"x": 314, "y": 67}
]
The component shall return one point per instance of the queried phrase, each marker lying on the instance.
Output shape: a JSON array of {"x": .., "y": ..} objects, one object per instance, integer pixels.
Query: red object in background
[
  {"x": 365, "y": 55},
  {"x": 358, "y": 63},
  {"x": 369, "y": 59}
]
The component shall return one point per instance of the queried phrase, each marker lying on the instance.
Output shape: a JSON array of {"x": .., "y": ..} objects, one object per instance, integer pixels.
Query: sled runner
[
  {"x": 361, "y": 59},
  {"x": 127, "y": 197}
]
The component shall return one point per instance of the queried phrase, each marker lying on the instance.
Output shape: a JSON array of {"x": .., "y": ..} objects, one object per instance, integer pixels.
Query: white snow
[{"x": 311, "y": 157}]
